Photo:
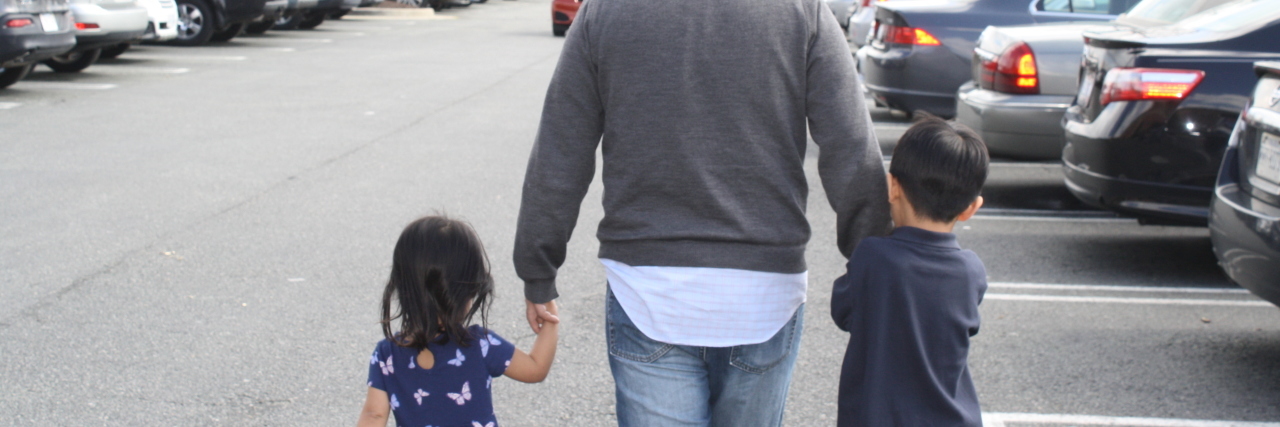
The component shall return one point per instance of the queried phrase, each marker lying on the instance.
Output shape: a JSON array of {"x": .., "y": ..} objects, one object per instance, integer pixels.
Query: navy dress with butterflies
[{"x": 454, "y": 392}]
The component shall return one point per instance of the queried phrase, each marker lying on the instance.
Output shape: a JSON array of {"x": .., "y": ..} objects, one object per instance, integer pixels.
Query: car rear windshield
[
  {"x": 1161, "y": 12},
  {"x": 1240, "y": 15}
]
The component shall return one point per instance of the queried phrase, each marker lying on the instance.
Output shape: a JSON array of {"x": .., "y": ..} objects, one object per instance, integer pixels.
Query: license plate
[
  {"x": 49, "y": 21},
  {"x": 1086, "y": 89},
  {"x": 1268, "y": 167}
]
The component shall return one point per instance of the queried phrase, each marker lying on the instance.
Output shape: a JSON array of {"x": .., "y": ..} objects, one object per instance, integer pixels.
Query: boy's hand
[{"x": 539, "y": 314}]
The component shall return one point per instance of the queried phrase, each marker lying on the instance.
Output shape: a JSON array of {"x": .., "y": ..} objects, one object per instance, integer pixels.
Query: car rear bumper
[
  {"x": 914, "y": 77},
  {"x": 1149, "y": 201},
  {"x": 1020, "y": 126},
  {"x": 563, "y": 11},
  {"x": 1246, "y": 234},
  {"x": 19, "y": 46}
]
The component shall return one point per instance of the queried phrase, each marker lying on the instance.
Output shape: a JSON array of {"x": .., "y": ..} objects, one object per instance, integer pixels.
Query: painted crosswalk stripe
[
  {"x": 1126, "y": 300},
  {"x": 129, "y": 69},
  {"x": 997, "y": 419},
  {"x": 284, "y": 39},
  {"x": 1118, "y": 288},
  {"x": 26, "y": 84}
]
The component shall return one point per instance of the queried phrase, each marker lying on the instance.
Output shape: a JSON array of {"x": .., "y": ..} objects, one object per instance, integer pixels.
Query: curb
[{"x": 388, "y": 11}]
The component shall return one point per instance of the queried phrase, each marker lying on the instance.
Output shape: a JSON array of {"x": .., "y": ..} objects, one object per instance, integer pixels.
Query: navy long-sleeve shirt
[{"x": 910, "y": 303}]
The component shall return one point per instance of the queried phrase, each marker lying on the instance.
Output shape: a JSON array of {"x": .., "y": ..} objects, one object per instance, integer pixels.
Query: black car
[
  {"x": 1244, "y": 219},
  {"x": 30, "y": 32},
  {"x": 200, "y": 21},
  {"x": 1156, "y": 106},
  {"x": 920, "y": 52}
]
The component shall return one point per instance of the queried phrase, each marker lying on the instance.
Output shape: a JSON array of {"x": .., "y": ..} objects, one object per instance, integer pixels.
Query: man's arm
[
  {"x": 561, "y": 165},
  {"x": 850, "y": 163}
]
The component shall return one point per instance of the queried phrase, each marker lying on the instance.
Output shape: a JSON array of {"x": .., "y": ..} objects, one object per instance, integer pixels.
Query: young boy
[{"x": 910, "y": 300}]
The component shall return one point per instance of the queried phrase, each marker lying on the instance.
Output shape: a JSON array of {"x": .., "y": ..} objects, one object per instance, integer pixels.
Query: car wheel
[
  {"x": 73, "y": 62},
  {"x": 436, "y": 5},
  {"x": 289, "y": 22},
  {"x": 311, "y": 22},
  {"x": 339, "y": 14},
  {"x": 259, "y": 27},
  {"x": 11, "y": 75},
  {"x": 559, "y": 29},
  {"x": 195, "y": 23},
  {"x": 111, "y": 52},
  {"x": 226, "y": 34}
]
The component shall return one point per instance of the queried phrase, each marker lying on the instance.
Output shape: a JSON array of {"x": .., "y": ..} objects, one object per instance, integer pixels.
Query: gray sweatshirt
[{"x": 700, "y": 109}]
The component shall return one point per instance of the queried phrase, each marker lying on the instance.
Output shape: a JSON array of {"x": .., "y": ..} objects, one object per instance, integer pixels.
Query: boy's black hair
[
  {"x": 438, "y": 267},
  {"x": 941, "y": 166}
]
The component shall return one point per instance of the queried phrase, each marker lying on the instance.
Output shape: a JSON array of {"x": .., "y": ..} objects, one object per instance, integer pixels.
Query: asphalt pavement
[{"x": 200, "y": 236}]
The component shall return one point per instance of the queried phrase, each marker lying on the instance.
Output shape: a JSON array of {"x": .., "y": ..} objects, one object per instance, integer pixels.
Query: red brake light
[
  {"x": 908, "y": 35},
  {"x": 1014, "y": 71},
  {"x": 85, "y": 26},
  {"x": 1143, "y": 84},
  {"x": 19, "y": 23},
  {"x": 866, "y": 3}
]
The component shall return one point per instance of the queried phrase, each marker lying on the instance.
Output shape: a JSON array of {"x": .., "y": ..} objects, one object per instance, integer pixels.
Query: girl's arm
[
  {"x": 376, "y": 408},
  {"x": 532, "y": 367}
]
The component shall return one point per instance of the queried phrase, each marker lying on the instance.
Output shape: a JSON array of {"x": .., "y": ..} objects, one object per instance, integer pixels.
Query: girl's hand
[
  {"x": 533, "y": 367},
  {"x": 540, "y": 314}
]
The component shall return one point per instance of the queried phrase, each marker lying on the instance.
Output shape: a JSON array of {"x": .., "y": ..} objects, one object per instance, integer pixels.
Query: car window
[
  {"x": 1170, "y": 11},
  {"x": 1242, "y": 14},
  {"x": 1093, "y": 7}
]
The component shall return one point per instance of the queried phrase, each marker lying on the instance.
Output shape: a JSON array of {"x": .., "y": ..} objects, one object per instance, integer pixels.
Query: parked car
[
  {"x": 1155, "y": 108},
  {"x": 1244, "y": 219},
  {"x": 99, "y": 24},
  {"x": 841, "y": 9},
  {"x": 862, "y": 16},
  {"x": 1024, "y": 78},
  {"x": 919, "y": 52},
  {"x": 163, "y": 26},
  {"x": 562, "y": 14},
  {"x": 201, "y": 21},
  {"x": 31, "y": 32}
]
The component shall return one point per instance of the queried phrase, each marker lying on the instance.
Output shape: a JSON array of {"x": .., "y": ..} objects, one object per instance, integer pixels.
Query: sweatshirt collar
[{"x": 926, "y": 237}]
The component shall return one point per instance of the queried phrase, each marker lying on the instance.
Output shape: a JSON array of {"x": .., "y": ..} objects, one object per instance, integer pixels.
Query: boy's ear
[
  {"x": 895, "y": 189},
  {"x": 972, "y": 209}
]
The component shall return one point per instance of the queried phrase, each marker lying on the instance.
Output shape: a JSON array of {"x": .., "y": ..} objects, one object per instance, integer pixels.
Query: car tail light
[
  {"x": 907, "y": 35},
  {"x": 85, "y": 26},
  {"x": 1145, "y": 84},
  {"x": 1014, "y": 71},
  {"x": 19, "y": 23}
]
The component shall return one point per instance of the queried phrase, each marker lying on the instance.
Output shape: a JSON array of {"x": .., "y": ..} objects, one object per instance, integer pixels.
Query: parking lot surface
[{"x": 200, "y": 236}]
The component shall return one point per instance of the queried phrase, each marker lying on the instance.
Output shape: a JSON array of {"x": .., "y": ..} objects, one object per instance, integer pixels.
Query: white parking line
[
  {"x": 1119, "y": 300},
  {"x": 996, "y": 419},
  {"x": 9, "y": 105},
  {"x": 1118, "y": 288},
  {"x": 285, "y": 39},
  {"x": 130, "y": 69},
  {"x": 64, "y": 85},
  {"x": 183, "y": 57}
]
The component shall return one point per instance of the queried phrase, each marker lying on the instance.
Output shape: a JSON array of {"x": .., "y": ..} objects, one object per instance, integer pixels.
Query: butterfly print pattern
[
  {"x": 395, "y": 403},
  {"x": 419, "y": 395},
  {"x": 462, "y": 397},
  {"x": 387, "y": 367},
  {"x": 457, "y": 361},
  {"x": 411, "y": 364},
  {"x": 477, "y": 424}
]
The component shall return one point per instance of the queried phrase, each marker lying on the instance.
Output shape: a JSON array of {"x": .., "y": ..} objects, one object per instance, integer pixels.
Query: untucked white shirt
[{"x": 707, "y": 307}]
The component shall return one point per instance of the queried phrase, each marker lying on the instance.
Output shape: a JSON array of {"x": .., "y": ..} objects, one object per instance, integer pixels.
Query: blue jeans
[{"x": 660, "y": 384}]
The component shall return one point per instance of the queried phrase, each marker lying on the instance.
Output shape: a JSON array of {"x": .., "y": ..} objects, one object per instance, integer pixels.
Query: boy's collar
[{"x": 919, "y": 235}]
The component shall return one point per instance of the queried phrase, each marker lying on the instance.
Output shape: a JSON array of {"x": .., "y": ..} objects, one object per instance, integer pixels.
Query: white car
[
  {"x": 99, "y": 24},
  {"x": 163, "y": 25}
]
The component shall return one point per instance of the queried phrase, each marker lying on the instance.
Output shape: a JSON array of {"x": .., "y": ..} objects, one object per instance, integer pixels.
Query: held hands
[{"x": 540, "y": 314}]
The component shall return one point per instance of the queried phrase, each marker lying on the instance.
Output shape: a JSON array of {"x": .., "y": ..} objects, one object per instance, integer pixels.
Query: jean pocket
[
  {"x": 625, "y": 340},
  {"x": 759, "y": 358}
]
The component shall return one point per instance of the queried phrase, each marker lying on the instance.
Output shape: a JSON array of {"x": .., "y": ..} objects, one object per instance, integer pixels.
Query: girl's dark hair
[
  {"x": 439, "y": 266},
  {"x": 941, "y": 166}
]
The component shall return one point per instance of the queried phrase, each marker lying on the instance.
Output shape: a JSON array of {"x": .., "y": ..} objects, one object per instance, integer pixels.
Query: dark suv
[
  {"x": 30, "y": 32},
  {"x": 200, "y": 21}
]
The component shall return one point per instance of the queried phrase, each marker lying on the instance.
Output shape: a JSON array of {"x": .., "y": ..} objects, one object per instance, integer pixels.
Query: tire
[
  {"x": 559, "y": 29},
  {"x": 339, "y": 14},
  {"x": 311, "y": 22},
  {"x": 226, "y": 34},
  {"x": 110, "y": 52},
  {"x": 289, "y": 22},
  {"x": 11, "y": 75},
  {"x": 73, "y": 62},
  {"x": 259, "y": 27},
  {"x": 195, "y": 23}
]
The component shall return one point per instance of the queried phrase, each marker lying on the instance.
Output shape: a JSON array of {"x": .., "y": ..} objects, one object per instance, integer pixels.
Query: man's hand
[{"x": 539, "y": 314}]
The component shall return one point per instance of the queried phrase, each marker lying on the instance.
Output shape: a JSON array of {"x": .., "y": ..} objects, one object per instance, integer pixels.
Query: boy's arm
[
  {"x": 847, "y": 291},
  {"x": 533, "y": 367},
  {"x": 376, "y": 408},
  {"x": 850, "y": 163}
]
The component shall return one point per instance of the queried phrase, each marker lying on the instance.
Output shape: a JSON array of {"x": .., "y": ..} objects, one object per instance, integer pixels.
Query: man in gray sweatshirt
[{"x": 701, "y": 109}]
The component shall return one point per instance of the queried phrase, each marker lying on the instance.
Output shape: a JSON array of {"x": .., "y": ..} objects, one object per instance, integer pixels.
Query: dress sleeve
[
  {"x": 377, "y": 364},
  {"x": 498, "y": 356}
]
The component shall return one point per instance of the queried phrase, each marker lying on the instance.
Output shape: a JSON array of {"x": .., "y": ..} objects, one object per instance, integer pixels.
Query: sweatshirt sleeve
[
  {"x": 850, "y": 163},
  {"x": 849, "y": 290},
  {"x": 561, "y": 165}
]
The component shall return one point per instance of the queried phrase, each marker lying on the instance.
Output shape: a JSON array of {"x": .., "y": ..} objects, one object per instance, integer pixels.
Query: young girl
[{"x": 437, "y": 371}]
